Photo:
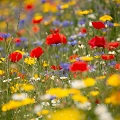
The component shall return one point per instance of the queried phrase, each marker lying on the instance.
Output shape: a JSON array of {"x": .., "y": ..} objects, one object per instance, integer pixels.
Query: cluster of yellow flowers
[{"x": 15, "y": 104}]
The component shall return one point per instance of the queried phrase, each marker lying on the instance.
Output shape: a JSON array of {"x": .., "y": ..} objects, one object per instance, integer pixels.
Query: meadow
[{"x": 59, "y": 59}]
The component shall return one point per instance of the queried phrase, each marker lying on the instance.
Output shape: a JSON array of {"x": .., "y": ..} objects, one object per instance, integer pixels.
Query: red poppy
[
  {"x": 97, "y": 42},
  {"x": 35, "y": 29},
  {"x": 108, "y": 57},
  {"x": 21, "y": 32},
  {"x": 117, "y": 66},
  {"x": 72, "y": 57},
  {"x": 1, "y": 38},
  {"x": 56, "y": 67},
  {"x": 29, "y": 7},
  {"x": 83, "y": 30},
  {"x": 79, "y": 66},
  {"x": 98, "y": 25},
  {"x": 15, "y": 56},
  {"x": 56, "y": 38},
  {"x": 37, "y": 19},
  {"x": 113, "y": 45},
  {"x": 36, "y": 52},
  {"x": 17, "y": 40}
]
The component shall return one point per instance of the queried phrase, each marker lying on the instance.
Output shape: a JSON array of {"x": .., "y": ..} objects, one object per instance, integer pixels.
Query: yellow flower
[
  {"x": 2, "y": 72},
  {"x": 114, "y": 98},
  {"x": 2, "y": 60},
  {"x": 15, "y": 88},
  {"x": 86, "y": 58},
  {"x": 47, "y": 7},
  {"x": 27, "y": 87},
  {"x": 71, "y": 3},
  {"x": 89, "y": 82},
  {"x": 43, "y": 112},
  {"x": 67, "y": 114},
  {"x": 79, "y": 98},
  {"x": 22, "y": 52},
  {"x": 114, "y": 80},
  {"x": 100, "y": 77},
  {"x": 97, "y": 56},
  {"x": 30, "y": 61},
  {"x": 65, "y": 6},
  {"x": 94, "y": 93},
  {"x": 45, "y": 64},
  {"x": 58, "y": 92},
  {"x": 74, "y": 91},
  {"x": 15, "y": 104},
  {"x": 116, "y": 24},
  {"x": 105, "y": 18},
  {"x": 85, "y": 12}
]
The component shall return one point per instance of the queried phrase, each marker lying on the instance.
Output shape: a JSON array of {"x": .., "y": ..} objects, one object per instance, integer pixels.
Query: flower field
[{"x": 59, "y": 59}]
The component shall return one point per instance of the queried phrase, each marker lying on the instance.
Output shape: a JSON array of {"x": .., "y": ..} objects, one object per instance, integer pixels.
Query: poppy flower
[
  {"x": 107, "y": 57},
  {"x": 97, "y": 42},
  {"x": 79, "y": 66},
  {"x": 15, "y": 56},
  {"x": 117, "y": 66},
  {"x": 98, "y": 25},
  {"x": 29, "y": 7},
  {"x": 113, "y": 45},
  {"x": 37, "y": 19},
  {"x": 35, "y": 29},
  {"x": 1, "y": 38},
  {"x": 83, "y": 30},
  {"x": 36, "y": 52},
  {"x": 73, "y": 57},
  {"x": 17, "y": 40},
  {"x": 56, "y": 38},
  {"x": 56, "y": 67}
]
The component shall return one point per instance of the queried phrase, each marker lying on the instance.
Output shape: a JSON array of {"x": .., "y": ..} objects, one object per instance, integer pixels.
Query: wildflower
[
  {"x": 113, "y": 45},
  {"x": 86, "y": 58},
  {"x": 94, "y": 93},
  {"x": 83, "y": 30},
  {"x": 67, "y": 114},
  {"x": 89, "y": 82},
  {"x": 29, "y": 7},
  {"x": 35, "y": 29},
  {"x": 36, "y": 52},
  {"x": 114, "y": 98},
  {"x": 73, "y": 57},
  {"x": 107, "y": 56},
  {"x": 102, "y": 112},
  {"x": 15, "y": 56},
  {"x": 117, "y": 66},
  {"x": 37, "y": 19},
  {"x": 79, "y": 66},
  {"x": 98, "y": 25},
  {"x": 29, "y": 61},
  {"x": 85, "y": 12},
  {"x": 12, "y": 104},
  {"x": 56, "y": 67},
  {"x": 84, "y": 106},
  {"x": 27, "y": 87},
  {"x": 114, "y": 80},
  {"x": 56, "y": 38},
  {"x": 97, "y": 42},
  {"x": 64, "y": 6},
  {"x": 20, "y": 96},
  {"x": 45, "y": 64},
  {"x": 78, "y": 84},
  {"x": 2, "y": 72},
  {"x": 105, "y": 18},
  {"x": 58, "y": 92},
  {"x": 43, "y": 112},
  {"x": 79, "y": 98}
]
